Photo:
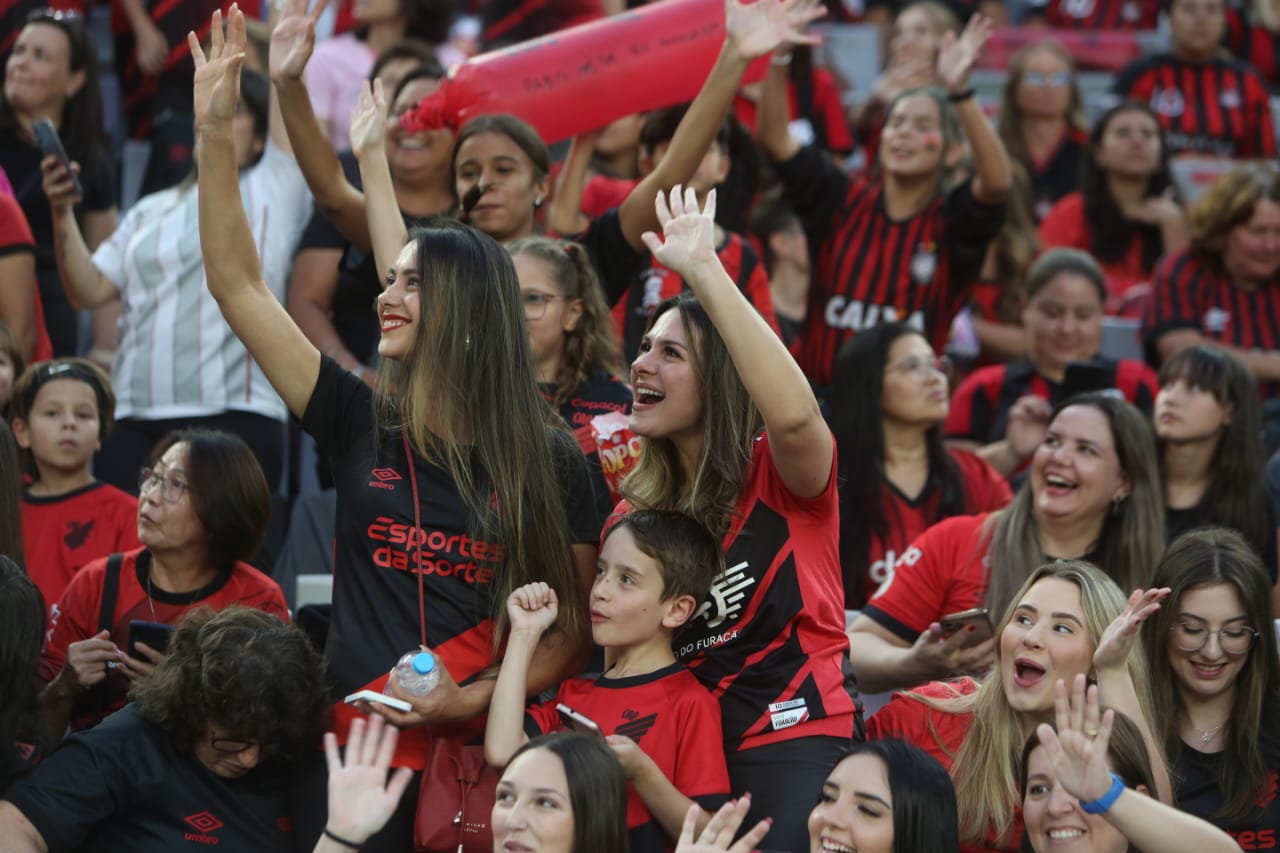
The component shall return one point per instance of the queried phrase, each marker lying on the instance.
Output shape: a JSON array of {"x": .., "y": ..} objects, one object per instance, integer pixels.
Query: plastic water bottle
[{"x": 417, "y": 673}]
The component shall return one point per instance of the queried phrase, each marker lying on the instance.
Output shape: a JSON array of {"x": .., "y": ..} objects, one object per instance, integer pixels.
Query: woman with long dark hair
[
  {"x": 897, "y": 478},
  {"x": 1126, "y": 213},
  {"x": 22, "y": 614},
  {"x": 1216, "y": 673},
  {"x": 1209, "y": 435}
]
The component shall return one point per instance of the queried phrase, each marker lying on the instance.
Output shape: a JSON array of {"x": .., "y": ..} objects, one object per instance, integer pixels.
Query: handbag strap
[
  {"x": 110, "y": 591},
  {"x": 417, "y": 534}
]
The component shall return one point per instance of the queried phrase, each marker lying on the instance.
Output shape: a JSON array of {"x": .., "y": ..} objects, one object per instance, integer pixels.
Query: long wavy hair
[
  {"x": 80, "y": 125},
  {"x": 857, "y": 420},
  {"x": 592, "y": 344},
  {"x": 1015, "y": 247},
  {"x": 1235, "y": 496},
  {"x": 10, "y": 496},
  {"x": 1204, "y": 558},
  {"x": 597, "y": 788},
  {"x": 22, "y": 613},
  {"x": 1009, "y": 118},
  {"x": 1111, "y": 232},
  {"x": 985, "y": 768},
  {"x": 501, "y": 447},
  {"x": 1132, "y": 535},
  {"x": 1229, "y": 203},
  {"x": 243, "y": 670},
  {"x": 730, "y": 422}
]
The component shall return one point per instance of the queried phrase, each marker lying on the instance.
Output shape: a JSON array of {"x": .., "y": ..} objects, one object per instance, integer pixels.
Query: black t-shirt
[
  {"x": 375, "y": 595},
  {"x": 122, "y": 787},
  {"x": 599, "y": 395},
  {"x": 1196, "y": 792},
  {"x": 21, "y": 162}
]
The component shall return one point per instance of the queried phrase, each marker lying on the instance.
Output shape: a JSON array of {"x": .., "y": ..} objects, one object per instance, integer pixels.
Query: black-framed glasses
[
  {"x": 922, "y": 368},
  {"x": 1192, "y": 637},
  {"x": 171, "y": 490},
  {"x": 535, "y": 303},
  {"x": 231, "y": 745}
]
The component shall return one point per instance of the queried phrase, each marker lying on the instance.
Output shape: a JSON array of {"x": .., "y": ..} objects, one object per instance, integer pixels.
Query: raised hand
[
  {"x": 1077, "y": 751},
  {"x": 755, "y": 29},
  {"x": 1028, "y": 421},
  {"x": 152, "y": 48},
  {"x": 217, "y": 77},
  {"x": 717, "y": 837},
  {"x": 958, "y": 54},
  {"x": 688, "y": 236},
  {"x": 533, "y": 608},
  {"x": 293, "y": 39},
  {"x": 1117, "y": 640},
  {"x": 59, "y": 185},
  {"x": 361, "y": 798}
]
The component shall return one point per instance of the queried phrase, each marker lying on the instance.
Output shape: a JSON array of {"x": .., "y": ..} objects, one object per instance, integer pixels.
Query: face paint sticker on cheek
[{"x": 931, "y": 141}]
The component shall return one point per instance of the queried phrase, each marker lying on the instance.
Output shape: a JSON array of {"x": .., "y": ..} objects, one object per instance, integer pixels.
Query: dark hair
[
  {"x": 243, "y": 670},
  {"x": 1198, "y": 559},
  {"x": 12, "y": 347},
  {"x": 857, "y": 421},
  {"x": 597, "y": 788},
  {"x": 1056, "y": 262},
  {"x": 413, "y": 75},
  {"x": 771, "y": 216},
  {"x": 517, "y": 130},
  {"x": 255, "y": 94},
  {"x": 1235, "y": 496},
  {"x": 229, "y": 492},
  {"x": 925, "y": 819},
  {"x": 22, "y": 615},
  {"x": 80, "y": 127},
  {"x": 28, "y": 385},
  {"x": 499, "y": 447},
  {"x": 422, "y": 54},
  {"x": 1111, "y": 232},
  {"x": 10, "y": 496},
  {"x": 1127, "y": 756},
  {"x": 424, "y": 20},
  {"x": 660, "y": 126},
  {"x": 689, "y": 558}
]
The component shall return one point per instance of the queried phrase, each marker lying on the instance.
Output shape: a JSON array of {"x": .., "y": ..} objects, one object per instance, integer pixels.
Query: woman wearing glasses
[
  {"x": 1215, "y": 669},
  {"x": 897, "y": 478},
  {"x": 203, "y": 506}
]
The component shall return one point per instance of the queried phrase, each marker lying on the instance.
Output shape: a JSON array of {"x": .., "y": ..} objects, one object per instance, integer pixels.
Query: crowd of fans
[{"x": 847, "y": 465}]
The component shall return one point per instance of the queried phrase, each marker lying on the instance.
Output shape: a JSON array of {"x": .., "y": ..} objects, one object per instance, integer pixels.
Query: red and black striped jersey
[
  {"x": 869, "y": 268},
  {"x": 1254, "y": 44},
  {"x": 635, "y": 306},
  {"x": 1058, "y": 174},
  {"x": 1098, "y": 14},
  {"x": 1190, "y": 292},
  {"x": 980, "y": 407},
  {"x": 1219, "y": 109}
]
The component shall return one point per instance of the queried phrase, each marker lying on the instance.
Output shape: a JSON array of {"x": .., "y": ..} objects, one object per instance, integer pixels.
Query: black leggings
[
  {"x": 127, "y": 448},
  {"x": 784, "y": 780}
]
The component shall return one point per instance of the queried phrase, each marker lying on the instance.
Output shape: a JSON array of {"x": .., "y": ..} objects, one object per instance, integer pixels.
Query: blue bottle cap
[{"x": 424, "y": 662}]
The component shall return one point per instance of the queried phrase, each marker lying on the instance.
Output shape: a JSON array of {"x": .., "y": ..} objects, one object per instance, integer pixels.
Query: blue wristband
[{"x": 1107, "y": 800}]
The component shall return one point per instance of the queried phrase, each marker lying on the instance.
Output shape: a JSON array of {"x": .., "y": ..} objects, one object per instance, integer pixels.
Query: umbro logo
[
  {"x": 203, "y": 823},
  {"x": 383, "y": 477}
]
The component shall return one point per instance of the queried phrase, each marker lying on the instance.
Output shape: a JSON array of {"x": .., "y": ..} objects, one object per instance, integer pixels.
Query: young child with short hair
[
  {"x": 654, "y": 568},
  {"x": 61, "y": 412}
]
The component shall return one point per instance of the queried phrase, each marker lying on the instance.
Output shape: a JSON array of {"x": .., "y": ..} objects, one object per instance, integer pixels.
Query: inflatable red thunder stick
[{"x": 582, "y": 78}]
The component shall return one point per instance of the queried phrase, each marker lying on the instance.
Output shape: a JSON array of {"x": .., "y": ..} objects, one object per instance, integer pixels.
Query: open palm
[
  {"x": 688, "y": 236},
  {"x": 369, "y": 118},
  {"x": 216, "y": 84},
  {"x": 958, "y": 55},
  {"x": 294, "y": 38},
  {"x": 765, "y": 25}
]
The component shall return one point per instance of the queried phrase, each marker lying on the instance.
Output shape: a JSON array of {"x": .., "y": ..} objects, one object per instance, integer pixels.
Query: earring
[
  {"x": 537, "y": 202},
  {"x": 1115, "y": 505}
]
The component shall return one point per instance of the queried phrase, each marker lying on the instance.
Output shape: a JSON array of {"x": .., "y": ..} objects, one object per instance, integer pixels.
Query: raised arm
[
  {"x": 18, "y": 298},
  {"x": 564, "y": 214},
  {"x": 292, "y": 41},
  {"x": 751, "y": 31},
  {"x": 361, "y": 796},
  {"x": 773, "y": 117},
  {"x": 532, "y": 609},
  {"x": 798, "y": 434},
  {"x": 992, "y": 173},
  {"x": 86, "y": 287},
  {"x": 288, "y": 359},
  {"x": 382, "y": 212}
]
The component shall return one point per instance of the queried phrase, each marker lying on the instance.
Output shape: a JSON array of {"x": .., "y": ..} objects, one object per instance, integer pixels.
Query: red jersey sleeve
[
  {"x": 944, "y": 571},
  {"x": 820, "y": 508},
  {"x": 1064, "y": 225},
  {"x": 971, "y": 407},
  {"x": 700, "y": 770},
  {"x": 73, "y": 617}
]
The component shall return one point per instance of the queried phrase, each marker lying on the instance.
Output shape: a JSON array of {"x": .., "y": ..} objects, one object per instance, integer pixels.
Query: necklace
[
  {"x": 1207, "y": 735},
  {"x": 150, "y": 602}
]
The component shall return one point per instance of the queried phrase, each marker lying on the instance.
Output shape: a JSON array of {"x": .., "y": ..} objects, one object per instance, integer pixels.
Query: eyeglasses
[
  {"x": 535, "y": 303},
  {"x": 1234, "y": 639},
  {"x": 1040, "y": 78},
  {"x": 171, "y": 490},
  {"x": 923, "y": 368},
  {"x": 231, "y": 745}
]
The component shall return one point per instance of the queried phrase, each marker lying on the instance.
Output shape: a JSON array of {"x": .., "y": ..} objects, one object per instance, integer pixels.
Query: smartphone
[
  {"x": 573, "y": 721},
  {"x": 47, "y": 139},
  {"x": 154, "y": 634},
  {"x": 1081, "y": 377},
  {"x": 978, "y": 617},
  {"x": 375, "y": 696}
]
